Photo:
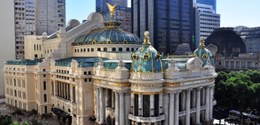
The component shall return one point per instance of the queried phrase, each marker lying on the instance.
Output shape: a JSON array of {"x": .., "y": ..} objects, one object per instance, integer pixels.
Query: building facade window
[
  {"x": 45, "y": 98},
  {"x": 44, "y": 85}
]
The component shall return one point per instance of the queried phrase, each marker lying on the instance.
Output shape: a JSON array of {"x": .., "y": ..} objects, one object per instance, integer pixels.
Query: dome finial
[
  {"x": 146, "y": 38},
  {"x": 202, "y": 41}
]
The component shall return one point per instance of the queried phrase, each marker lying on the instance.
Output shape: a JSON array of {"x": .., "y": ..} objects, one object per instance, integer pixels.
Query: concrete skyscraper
[
  {"x": 36, "y": 17},
  {"x": 170, "y": 22},
  {"x": 122, "y": 14}
]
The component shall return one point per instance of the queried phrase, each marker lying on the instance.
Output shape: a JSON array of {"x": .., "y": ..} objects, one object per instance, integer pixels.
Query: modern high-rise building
[
  {"x": 122, "y": 13},
  {"x": 7, "y": 39},
  {"x": 208, "y": 20},
  {"x": 36, "y": 17},
  {"x": 208, "y": 2},
  {"x": 170, "y": 22}
]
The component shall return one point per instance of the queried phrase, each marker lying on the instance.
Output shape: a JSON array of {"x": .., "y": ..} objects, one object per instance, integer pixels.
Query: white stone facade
[
  {"x": 241, "y": 62},
  {"x": 115, "y": 98},
  {"x": 82, "y": 87}
]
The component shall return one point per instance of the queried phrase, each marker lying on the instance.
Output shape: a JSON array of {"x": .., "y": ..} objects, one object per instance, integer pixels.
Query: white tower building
[{"x": 208, "y": 20}]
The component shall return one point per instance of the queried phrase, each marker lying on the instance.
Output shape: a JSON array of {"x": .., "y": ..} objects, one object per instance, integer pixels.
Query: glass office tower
[
  {"x": 208, "y": 2},
  {"x": 170, "y": 22}
]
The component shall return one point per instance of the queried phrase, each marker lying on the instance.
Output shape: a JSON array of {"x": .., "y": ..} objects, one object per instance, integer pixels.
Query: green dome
[
  {"x": 111, "y": 34},
  {"x": 146, "y": 59},
  {"x": 203, "y": 53}
]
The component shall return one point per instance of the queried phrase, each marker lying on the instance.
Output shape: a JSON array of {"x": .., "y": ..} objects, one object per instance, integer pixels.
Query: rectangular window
[
  {"x": 46, "y": 109},
  {"x": 44, "y": 85},
  {"x": 52, "y": 88},
  {"x": 45, "y": 98},
  {"x": 136, "y": 108},
  {"x": 156, "y": 105},
  {"x": 74, "y": 94},
  {"x": 14, "y": 82},
  {"x": 24, "y": 95},
  {"x": 146, "y": 105}
]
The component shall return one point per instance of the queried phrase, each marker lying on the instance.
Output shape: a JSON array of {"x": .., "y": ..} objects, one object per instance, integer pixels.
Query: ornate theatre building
[{"x": 95, "y": 72}]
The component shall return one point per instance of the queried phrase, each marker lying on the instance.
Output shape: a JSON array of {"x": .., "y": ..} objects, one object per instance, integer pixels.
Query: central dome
[{"x": 111, "y": 34}]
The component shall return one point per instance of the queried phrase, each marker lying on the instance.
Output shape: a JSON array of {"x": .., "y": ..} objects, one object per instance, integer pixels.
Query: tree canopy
[{"x": 238, "y": 90}]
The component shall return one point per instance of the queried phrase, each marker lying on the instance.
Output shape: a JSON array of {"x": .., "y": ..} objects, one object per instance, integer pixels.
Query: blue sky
[{"x": 233, "y": 12}]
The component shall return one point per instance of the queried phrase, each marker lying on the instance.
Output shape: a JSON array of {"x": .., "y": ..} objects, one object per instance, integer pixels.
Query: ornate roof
[
  {"x": 23, "y": 62},
  {"x": 146, "y": 59},
  {"x": 203, "y": 53},
  {"x": 111, "y": 34}
]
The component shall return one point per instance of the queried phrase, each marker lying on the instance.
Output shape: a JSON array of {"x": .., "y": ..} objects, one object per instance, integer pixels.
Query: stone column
[
  {"x": 183, "y": 100},
  {"x": 71, "y": 94},
  {"x": 140, "y": 105},
  {"x": 193, "y": 98},
  {"x": 132, "y": 103},
  {"x": 171, "y": 110},
  {"x": 176, "y": 109},
  {"x": 203, "y": 95},
  {"x": 102, "y": 105},
  {"x": 106, "y": 97},
  {"x": 117, "y": 109},
  {"x": 166, "y": 102},
  {"x": 97, "y": 105},
  {"x": 188, "y": 107},
  {"x": 151, "y": 105},
  {"x": 211, "y": 102},
  {"x": 113, "y": 99},
  {"x": 160, "y": 104},
  {"x": 122, "y": 109},
  {"x": 127, "y": 107},
  {"x": 207, "y": 103},
  {"x": 198, "y": 107}
]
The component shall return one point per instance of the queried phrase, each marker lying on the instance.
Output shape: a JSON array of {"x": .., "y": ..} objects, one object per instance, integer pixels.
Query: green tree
[{"x": 238, "y": 90}]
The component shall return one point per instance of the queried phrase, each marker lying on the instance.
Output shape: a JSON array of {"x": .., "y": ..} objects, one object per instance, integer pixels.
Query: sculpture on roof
[{"x": 111, "y": 9}]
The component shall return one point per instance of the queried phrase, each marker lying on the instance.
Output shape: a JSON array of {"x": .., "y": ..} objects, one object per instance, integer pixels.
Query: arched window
[
  {"x": 98, "y": 49},
  {"x": 105, "y": 49},
  {"x": 92, "y": 49},
  {"x": 113, "y": 49},
  {"x": 127, "y": 49},
  {"x": 132, "y": 49},
  {"x": 120, "y": 49}
]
